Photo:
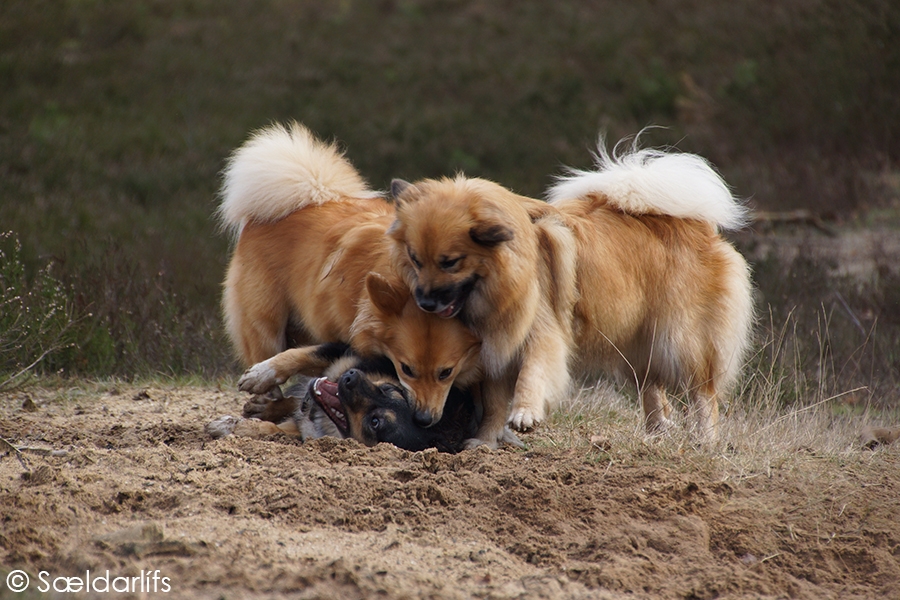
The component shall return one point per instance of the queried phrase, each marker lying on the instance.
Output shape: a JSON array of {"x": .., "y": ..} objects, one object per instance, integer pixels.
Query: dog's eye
[
  {"x": 449, "y": 263},
  {"x": 445, "y": 374},
  {"x": 406, "y": 370},
  {"x": 374, "y": 423},
  {"x": 413, "y": 258}
]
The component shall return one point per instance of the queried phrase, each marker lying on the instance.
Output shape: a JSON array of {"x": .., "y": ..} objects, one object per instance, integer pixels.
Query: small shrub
[{"x": 37, "y": 322}]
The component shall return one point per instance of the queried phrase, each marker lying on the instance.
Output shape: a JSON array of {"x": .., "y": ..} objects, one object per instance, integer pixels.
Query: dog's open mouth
[
  {"x": 325, "y": 392},
  {"x": 460, "y": 295},
  {"x": 451, "y": 310}
]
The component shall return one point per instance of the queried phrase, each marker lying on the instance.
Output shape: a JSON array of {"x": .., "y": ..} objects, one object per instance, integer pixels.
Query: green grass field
[{"x": 116, "y": 119}]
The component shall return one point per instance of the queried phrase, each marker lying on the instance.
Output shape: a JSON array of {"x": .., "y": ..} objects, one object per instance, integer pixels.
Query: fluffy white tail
[
  {"x": 655, "y": 182},
  {"x": 281, "y": 169}
]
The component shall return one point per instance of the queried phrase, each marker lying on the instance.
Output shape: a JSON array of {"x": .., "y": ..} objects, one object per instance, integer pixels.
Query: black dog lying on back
[{"x": 357, "y": 397}]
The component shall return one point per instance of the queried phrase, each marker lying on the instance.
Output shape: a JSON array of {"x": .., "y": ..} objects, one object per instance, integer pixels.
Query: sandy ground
[{"x": 123, "y": 479}]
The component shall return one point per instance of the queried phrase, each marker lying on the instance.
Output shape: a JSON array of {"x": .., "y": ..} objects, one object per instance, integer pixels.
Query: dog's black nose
[
  {"x": 350, "y": 379},
  {"x": 424, "y": 418},
  {"x": 425, "y": 302}
]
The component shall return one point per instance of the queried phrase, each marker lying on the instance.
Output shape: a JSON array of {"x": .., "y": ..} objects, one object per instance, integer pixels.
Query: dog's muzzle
[
  {"x": 425, "y": 418},
  {"x": 447, "y": 301}
]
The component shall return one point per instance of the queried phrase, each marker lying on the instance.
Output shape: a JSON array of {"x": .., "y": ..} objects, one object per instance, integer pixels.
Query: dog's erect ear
[
  {"x": 537, "y": 209},
  {"x": 490, "y": 234},
  {"x": 398, "y": 186},
  {"x": 385, "y": 296}
]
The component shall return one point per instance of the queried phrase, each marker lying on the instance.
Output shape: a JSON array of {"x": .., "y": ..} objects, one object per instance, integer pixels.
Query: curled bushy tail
[
  {"x": 655, "y": 182},
  {"x": 281, "y": 169}
]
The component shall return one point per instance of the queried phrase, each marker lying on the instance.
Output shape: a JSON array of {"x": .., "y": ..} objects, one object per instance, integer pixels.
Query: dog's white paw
[
  {"x": 259, "y": 378},
  {"x": 525, "y": 418}
]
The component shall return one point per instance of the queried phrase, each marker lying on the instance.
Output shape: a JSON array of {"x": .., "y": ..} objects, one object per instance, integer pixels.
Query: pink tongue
[
  {"x": 329, "y": 387},
  {"x": 447, "y": 311},
  {"x": 327, "y": 397},
  {"x": 328, "y": 392}
]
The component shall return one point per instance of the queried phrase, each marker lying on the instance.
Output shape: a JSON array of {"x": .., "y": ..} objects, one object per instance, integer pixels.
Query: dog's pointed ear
[
  {"x": 490, "y": 233},
  {"x": 387, "y": 297},
  {"x": 398, "y": 186},
  {"x": 537, "y": 209}
]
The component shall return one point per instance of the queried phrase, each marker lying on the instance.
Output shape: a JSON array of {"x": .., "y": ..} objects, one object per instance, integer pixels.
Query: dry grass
[
  {"x": 813, "y": 447},
  {"x": 778, "y": 419}
]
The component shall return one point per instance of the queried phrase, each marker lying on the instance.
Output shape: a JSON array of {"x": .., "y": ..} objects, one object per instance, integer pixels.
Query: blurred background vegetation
[{"x": 116, "y": 119}]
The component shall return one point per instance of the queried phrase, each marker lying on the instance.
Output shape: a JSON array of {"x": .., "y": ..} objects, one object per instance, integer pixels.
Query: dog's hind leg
[
  {"x": 656, "y": 408},
  {"x": 271, "y": 407},
  {"x": 256, "y": 314},
  {"x": 704, "y": 413}
]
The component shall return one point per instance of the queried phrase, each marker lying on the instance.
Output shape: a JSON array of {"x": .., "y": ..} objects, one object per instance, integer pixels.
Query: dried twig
[
  {"x": 12, "y": 447},
  {"x": 7, "y": 383}
]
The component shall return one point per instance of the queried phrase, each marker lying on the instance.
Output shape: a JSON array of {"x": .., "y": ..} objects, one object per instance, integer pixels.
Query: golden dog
[
  {"x": 623, "y": 268},
  {"x": 311, "y": 264},
  {"x": 506, "y": 265}
]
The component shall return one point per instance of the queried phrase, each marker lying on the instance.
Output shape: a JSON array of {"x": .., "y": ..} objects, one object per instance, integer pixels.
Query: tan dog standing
[{"x": 624, "y": 269}]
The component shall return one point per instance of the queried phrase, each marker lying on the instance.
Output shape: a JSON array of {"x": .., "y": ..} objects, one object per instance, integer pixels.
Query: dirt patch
[{"x": 135, "y": 484}]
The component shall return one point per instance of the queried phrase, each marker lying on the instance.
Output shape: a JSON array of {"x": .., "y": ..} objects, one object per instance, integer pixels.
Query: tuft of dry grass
[{"x": 778, "y": 419}]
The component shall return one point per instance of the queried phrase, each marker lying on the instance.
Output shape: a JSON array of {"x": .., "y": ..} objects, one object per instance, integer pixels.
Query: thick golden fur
[
  {"x": 664, "y": 301},
  {"x": 630, "y": 254},
  {"x": 309, "y": 232},
  {"x": 524, "y": 288}
]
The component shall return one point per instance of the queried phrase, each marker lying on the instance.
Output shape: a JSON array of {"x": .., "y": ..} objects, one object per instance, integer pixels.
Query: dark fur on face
[
  {"x": 362, "y": 398},
  {"x": 379, "y": 410}
]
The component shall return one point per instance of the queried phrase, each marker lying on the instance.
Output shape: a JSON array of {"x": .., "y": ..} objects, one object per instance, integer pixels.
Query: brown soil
[{"x": 136, "y": 484}]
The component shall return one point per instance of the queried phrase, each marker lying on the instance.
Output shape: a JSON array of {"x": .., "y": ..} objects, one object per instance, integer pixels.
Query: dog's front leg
[
  {"x": 310, "y": 360},
  {"x": 543, "y": 378},
  {"x": 496, "y": 394},
  {"x": 261, "y": 377}
]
